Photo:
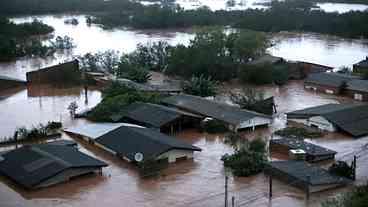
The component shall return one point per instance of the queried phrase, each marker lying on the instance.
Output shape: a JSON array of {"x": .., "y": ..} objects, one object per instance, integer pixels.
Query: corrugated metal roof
[
  {"x": 152, "y": 115},
  {"x": 222, "y": 112},
  {"x": 127, "y": 141},
  {"x": 30, "y": 165},
  {"x": 301, "y": 170},
  {"x": 95, "y": 130}
]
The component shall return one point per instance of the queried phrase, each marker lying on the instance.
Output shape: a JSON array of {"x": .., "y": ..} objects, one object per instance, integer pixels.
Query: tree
[
  {"x": 200, "y": 86},
  {"x": 248, "y": 160},
  {"x": 73, "y": 106},
  {"x": 247, "y": 97}
]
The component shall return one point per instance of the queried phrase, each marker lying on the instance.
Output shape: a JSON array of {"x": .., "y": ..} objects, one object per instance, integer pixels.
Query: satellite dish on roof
[{"x": 138, "y": 157}]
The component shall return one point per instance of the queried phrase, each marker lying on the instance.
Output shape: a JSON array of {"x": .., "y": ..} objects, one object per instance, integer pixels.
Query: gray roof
[
  {"x": 30, "y": 165},
  {"x": 300, "y": 170},
  {"x": 95, "y": 130},
  {"x": 3, "y": 77},
  {"x": 127, "y": 141},
  {"x": 166, "y": 87},
  {"x": 351, "y": 118},
  {"x": 202, "y": 106},
  {"x": 363, "y": 63},
  {"x": 329, "y": 79},
  {"x": 309, "y": 148},
  {"x": 151, "y": 115},
  {"x": 337, "y": 80},
  {"x": 266, "y": 59}
]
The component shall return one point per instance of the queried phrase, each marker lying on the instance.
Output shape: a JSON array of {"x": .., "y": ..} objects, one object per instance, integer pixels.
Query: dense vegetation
[
  {"x": 286, "y": 15},
  {"x": 249, "y": 159},
  {"x": 200, "y": 86},
  {"x": 35, "y": 133},
  {"x": 358, "y": 197},
  {"x": 16, "y": 39},
  {"x": 115, "y": 98}
]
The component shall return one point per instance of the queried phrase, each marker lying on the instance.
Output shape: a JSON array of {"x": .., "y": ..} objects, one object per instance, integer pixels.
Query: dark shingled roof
[
  {"x": 337, "y": 80},
  {"x": 222, "y": 112},
  {"x": 64, "y": 142},
  {"x": 127, "y": 141},
  {"x": 299, "y": 170},
  {"x": 152, "y": 115},
  {"x": 33, "y": 164},
  {"x": 266, "y": 59},
  {"x": 351, "y": 118},
  {"x": 309, "y": 148}
]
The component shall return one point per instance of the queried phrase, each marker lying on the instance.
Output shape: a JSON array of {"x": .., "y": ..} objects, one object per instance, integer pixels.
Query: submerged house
[
  {"x": 165, "y": 88},
  {"x": 348, "y": 118},
  {"x": 58, "y": 74},
  {"x": 305, "y": 176},
  {"x": 37, "y": 166},
  {"x": 161, "y": 118},
  {"x": 313, "y": 153},
  {"x": 334, "y": 83},
  {"x": 233, "y": 117},
  {"x": 127, "y": 141},
  {"x": 8, "y": 82},
  {"x": 361, "y": 67}
]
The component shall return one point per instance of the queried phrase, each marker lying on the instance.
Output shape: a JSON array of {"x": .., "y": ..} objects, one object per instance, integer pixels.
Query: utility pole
[
  {"x": 226, "y": 181},
  {"x": 233, "y": 201},
  {"x": 354, "y": 167}
]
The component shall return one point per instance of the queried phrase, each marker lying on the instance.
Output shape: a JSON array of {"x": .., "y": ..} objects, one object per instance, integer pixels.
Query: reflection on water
[
  {"x": 341, "y": 7},
  {"x": 42, "y": 104},
  {"x": 321, "y": 49}
]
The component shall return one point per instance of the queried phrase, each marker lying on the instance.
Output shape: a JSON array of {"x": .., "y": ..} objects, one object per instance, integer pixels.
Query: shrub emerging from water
[
  {"x": 213, "y": 126},
  {"x": 342, "y": 168},
  {"x": 248, "y": 160},
  {"x": 200, "y": 86},
  {"x": 358, "y": 197}
]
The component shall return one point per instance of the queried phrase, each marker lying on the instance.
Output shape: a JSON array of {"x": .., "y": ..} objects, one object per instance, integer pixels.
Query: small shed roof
[
  {"x": 30, "y": 165},
  {"x": 300, "y": 170},
  {"x": 127, "y": 141},
  {"x": 153, "y": 115},
  {"x": 202, "y": 106},
  {"x": 309, "y": 148}
]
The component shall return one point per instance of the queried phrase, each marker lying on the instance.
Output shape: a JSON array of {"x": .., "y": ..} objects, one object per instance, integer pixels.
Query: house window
[
  {"x": 329, "y": 91},
  {"x": 358, "y": 96}
]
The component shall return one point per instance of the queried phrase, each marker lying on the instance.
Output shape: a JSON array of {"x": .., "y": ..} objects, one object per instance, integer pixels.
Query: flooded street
[{"x": 198, "y": 182}]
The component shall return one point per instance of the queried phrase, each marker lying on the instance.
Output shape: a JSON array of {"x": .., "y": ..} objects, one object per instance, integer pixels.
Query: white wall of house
[
  {"x": 358, "y": 96},
  {"x": 256, "y": 121},
  {"x": 172, "y": 155}
]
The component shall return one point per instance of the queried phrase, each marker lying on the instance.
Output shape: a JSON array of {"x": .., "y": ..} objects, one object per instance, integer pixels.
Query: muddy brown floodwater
[{"x": 198, "y": 182}]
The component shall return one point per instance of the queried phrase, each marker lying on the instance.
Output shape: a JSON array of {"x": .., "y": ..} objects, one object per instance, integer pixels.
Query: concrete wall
[{"x": 62, "y": 73}]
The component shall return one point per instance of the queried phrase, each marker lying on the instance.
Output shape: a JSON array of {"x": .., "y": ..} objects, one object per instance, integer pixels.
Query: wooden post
[
  {"x": 233, "y": 201},
  {"x": 226, "y": 180},
  {"x": 354, "y": 167},
  {"x": 270, "y": 186},
  {"x": 307, "y": 189}
]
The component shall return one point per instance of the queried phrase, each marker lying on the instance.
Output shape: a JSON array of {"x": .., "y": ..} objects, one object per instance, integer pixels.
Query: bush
[
  {"x": 249, "y": 160},
  {"x": 358, "y": 197},
  {"x": 200, "y": 86},
  {"x": 256, "y": 74},
  {"x": 341, "y": 168}
]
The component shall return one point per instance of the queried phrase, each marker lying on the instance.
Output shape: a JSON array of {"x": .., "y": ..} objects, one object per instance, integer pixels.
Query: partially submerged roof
[
  {"x": 329, "y": 79},
  {"x": 351, "y": 118},
  {"x": 358, "y": 85},
  {"x": 309, "y": 148},
  {"x": 204, "y": 107},
  {"x": 127, "y": 141},
  {"x": 363, "y": 63},
  {"x": 266, "y": 59},
  {"x": 94, "y": 131},
  {"x": 153, "y": 115},
  {"x": 300, "y": 171},
  {"x": 166, "y": 87},
  {"x": 3, "y": 77},
  {"x": 30, "y": 165},
  {"x": 63, "y": 142}
]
